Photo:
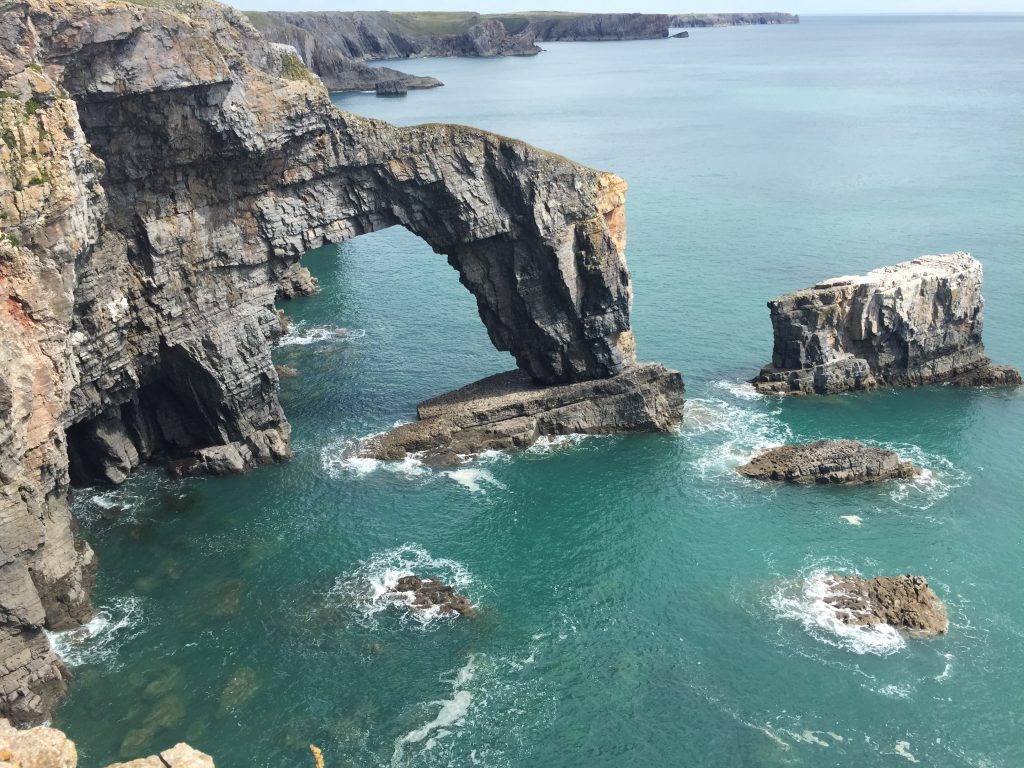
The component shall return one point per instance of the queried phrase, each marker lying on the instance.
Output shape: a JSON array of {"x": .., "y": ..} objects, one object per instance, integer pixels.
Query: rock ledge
[{"x": 509, "y": 410}]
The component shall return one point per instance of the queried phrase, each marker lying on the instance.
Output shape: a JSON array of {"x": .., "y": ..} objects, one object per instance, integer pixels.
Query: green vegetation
[
  {"x": 34, "y": 66},
  {"x": 41, "y": 178},
  {"x": 8, "y": 95},
  {"x": 8, "y": 138},
  {"x": 32, "y": 106},
  {"x": 292, "y": 67},
  {"x": 10, "y": 238},
  {"x": 516, "y": 22}
]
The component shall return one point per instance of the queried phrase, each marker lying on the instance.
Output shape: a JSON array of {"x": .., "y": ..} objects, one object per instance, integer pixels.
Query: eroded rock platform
[
  {"x": 845, "y": 462},
  {"x": 509, "y": 410},
  {"x": 905, "y": 602}
]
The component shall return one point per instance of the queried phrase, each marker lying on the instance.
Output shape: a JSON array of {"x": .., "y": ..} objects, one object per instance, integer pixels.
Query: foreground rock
[
  {"x": 844, "y": 462},
  {"x": 433, "y": 593},
  {"x": 509, "y": 410},
  {"x": 914, "y": 323},
  {"x": 49, "y": 748},
  {"x": 904, "y": 602},
  {"x": 162, "y": 170}
]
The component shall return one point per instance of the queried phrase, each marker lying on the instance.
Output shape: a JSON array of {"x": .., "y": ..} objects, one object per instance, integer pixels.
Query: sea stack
[
  {"x": 828, "y": 462},
  {"x": 914, "y": 323}
]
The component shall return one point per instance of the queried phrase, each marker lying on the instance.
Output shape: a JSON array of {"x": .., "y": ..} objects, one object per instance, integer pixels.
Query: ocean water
[{"x": 639, "y": 603}]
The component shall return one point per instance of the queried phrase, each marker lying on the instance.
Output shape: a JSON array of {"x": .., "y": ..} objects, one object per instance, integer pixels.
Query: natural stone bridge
[{"x": 164, "y": 170}]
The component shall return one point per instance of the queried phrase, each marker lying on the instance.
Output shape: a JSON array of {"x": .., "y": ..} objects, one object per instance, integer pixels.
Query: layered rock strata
[
  {"x": 914, "y": 323},
  {"x": 904, "y": 602},
  {"x": 509, "y": 411},
  {"x": 162, "y": 170},
  {"x": 43, "y": 747},
  {"x": 832, "y": 462}
]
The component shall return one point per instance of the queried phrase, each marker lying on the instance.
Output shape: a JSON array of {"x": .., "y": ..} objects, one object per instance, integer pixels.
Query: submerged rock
[
  {"x": 508, "y": 411},
  {"x": 828, "y": 461},
  {"x": 918, "y": 322},
  {"x": 904, "y": 602},
  {"x": 433, "y": 593}
]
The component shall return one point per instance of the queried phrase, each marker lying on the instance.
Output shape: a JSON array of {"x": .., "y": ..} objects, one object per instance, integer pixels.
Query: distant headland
[{"x": 337, "y": 45}]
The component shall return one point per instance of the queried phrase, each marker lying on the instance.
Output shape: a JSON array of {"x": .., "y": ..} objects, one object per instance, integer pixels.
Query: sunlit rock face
[{"x": 914, "y": 323}]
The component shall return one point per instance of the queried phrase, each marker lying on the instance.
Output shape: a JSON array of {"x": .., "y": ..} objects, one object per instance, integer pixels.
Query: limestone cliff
[
  {"x": 162, "y": 170},
  {"x": 918, "y": 322}
]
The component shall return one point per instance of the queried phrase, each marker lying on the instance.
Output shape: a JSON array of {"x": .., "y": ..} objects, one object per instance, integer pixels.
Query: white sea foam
[
  {"x": 744, "y": 390},
  {"x": 301, "y": 334},
  {"x": 474, "y": 480},
  {"x": 730, "y": 434},
  {"x": 902, "y": 749},
  {"x": 852, "y": 519},
  {"x": 369, "y": 587},
  {"x": 548, "y": 443},
  {"x": 342, "y": 457},
  {"x": 804, "y": 601},
  {"x": 451, "y": 714},
  {"x": 939, "y": 477},
  {"x": 99, "y": 641}
]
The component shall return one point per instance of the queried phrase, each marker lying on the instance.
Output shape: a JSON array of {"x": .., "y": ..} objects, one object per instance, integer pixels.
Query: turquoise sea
[{"x": 638, "y": 601}]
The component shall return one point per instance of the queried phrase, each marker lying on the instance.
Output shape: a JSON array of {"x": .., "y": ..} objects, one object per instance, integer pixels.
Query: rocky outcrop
[
  {"x": 510, "y": 411},
  {"x": 391, "y": 88},
  {"x": 49, "y": 748},
  {"x": 904, "y": 602},
  {"x": 914, "y": 323},
  {"x": 151, "y": 216},
  {"x": 433, "y": 593},
  {"x": 832, "y": 462}
]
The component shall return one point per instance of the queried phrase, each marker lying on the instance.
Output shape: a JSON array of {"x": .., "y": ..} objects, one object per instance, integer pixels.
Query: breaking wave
[
  {"x": 100, "y": 640},
  {"x": 301, "y": 334},
  {"x": 368, "y": 589}
]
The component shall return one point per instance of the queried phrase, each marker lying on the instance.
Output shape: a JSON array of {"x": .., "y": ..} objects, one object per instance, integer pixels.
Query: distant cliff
[{"x": 337, "y": 45}]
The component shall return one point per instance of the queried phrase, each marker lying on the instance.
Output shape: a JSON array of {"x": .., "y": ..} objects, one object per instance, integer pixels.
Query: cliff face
[
  {"x": 161, "y": 172},
  {"x": 918, "y": 322},
  {"x": 732, "y": 19}
]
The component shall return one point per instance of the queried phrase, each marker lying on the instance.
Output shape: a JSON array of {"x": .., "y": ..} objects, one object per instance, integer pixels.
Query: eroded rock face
[
  {"x": 509, "y": 411},
  {"x": 845, "y": 462},
  {"x": 914, "y": 323},
  {"x": 433, "y": 593},
  {"x": 152, "y": 214},
  {"x": 904, "y": 602}
]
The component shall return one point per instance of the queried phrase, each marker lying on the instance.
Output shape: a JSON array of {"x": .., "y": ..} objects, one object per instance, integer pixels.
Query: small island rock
[
  {"x": 905, "y": 602},
  {"x": 844, "y": 462}
]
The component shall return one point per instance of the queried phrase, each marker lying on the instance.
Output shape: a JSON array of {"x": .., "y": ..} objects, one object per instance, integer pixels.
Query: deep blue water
[{"x": 636, "y": 597}]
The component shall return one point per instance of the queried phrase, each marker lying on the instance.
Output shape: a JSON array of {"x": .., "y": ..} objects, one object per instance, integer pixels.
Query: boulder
[{"x": 845, "y": 462}]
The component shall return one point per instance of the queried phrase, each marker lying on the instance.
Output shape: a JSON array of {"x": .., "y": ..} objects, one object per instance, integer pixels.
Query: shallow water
[{"x": 635, "y": 595}]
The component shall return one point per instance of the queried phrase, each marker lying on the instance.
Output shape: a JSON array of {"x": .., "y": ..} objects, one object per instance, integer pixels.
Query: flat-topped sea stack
[
  {"x": 509, "y": 410},
  {"x": 904, "y": 602},
  {"x": 828, "y": 462},
  {"x": 914, "y": 323}
]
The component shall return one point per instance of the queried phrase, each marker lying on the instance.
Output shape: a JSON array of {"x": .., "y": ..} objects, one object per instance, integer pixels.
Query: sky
[{"x": 646, "y": 6}]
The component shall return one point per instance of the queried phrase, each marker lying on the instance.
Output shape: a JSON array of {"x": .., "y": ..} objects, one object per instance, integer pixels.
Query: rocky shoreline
[
  {"x": 904, "y": 602},
  {"x": 336, "y": 45}
]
